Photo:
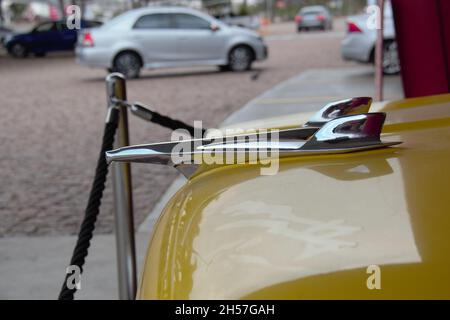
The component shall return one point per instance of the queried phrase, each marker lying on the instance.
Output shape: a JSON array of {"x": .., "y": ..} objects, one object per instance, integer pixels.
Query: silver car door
[
  {"x": 154, "y": 34},
  {"x": 196, "y": 40}
]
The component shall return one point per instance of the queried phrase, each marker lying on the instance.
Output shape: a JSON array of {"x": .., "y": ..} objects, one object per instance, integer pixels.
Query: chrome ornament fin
[
  {"x": 186, "y": 169},
  {"x": 337, "y": 109},
  {"x": 332, "y": 110}
]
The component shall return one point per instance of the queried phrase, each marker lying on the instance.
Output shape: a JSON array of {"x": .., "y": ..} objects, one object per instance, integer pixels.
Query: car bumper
[
  {"x": 93, "y": 57},
  {"x": 311, "y": 24},
  {"x": 261, "y": 52}
]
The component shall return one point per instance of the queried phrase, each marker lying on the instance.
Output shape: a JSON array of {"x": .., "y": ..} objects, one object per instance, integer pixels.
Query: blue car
[{"x": 45, "y": 37}]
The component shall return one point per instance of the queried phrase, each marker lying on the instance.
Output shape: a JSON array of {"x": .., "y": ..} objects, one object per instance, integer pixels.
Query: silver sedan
[
  {"x": 161, "y": 37},
  {"x": 313, "y": 17},
  {"x": 359, "y": 43}
]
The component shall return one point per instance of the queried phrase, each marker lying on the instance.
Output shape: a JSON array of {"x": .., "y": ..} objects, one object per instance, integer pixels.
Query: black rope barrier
[
  {"x": 145, "y": 113},
  {"x": 92, "y": 209}
]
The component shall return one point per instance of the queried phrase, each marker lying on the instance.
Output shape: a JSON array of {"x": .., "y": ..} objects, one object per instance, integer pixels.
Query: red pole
[{"x": 379, "y": 54}]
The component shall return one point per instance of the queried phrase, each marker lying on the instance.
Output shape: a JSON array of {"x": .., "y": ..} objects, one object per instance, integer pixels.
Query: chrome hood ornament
[{"x": 341, "y": 135}]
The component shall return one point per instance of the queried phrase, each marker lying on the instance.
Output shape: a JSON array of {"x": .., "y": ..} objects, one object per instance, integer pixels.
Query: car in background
[
  {"x": 46, "y": 37},
  {"x": 359, "y": 43},
  {"x": 314, "y": 17},
  {"x": 161, "y": 37},
  {"x": 4, "y": 33}
]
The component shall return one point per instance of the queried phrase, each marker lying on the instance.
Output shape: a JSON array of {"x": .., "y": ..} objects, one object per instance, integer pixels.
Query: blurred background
[{"x": 16, "y": 13}]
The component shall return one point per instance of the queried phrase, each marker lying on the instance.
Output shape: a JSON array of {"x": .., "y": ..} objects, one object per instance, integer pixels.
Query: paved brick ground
[{"x": 52, "y": 113}]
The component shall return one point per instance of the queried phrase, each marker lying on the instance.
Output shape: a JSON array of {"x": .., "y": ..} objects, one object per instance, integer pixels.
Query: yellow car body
[{"x": 318, "y": 228}]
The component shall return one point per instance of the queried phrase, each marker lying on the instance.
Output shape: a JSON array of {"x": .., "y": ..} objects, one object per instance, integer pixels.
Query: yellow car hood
[{"x": 312, "y": 230}]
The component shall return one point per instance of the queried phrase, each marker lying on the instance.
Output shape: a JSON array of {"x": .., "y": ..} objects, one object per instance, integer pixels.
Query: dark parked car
[
  {"x": 314, "y": 17},
  {"x": 46, "y": 37}
]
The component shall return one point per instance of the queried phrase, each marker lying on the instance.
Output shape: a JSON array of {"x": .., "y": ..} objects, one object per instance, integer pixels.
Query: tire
[
  {"x": 391, "y": 61},
  {"x": 40, "y": 54},
  {"x": 129, "y": 64},
  {"x": 240, "y": 59},
  {"x": 18, "y": 50}
]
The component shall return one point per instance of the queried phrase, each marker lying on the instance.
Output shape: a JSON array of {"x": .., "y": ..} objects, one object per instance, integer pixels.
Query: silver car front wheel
[
  {"x": 129, "y": 64},
  {"x": 241, "y": 59}
]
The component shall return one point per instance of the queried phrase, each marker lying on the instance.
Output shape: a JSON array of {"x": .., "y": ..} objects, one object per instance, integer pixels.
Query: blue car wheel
[{"x": 18, "y": 50}]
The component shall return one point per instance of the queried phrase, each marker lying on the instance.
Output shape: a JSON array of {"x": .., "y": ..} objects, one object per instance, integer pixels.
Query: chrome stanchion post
[{"x": 123, "y": 197}]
